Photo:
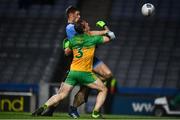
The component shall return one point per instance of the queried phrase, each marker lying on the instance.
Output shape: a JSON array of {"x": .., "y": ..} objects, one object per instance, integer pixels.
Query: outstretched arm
[
  {"x": 100, "y": 24},
  {"x": 96, "y": 32}
]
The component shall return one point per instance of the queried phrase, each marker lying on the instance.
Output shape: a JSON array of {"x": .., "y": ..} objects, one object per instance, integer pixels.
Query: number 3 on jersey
[{"x": 79, "y": 52}]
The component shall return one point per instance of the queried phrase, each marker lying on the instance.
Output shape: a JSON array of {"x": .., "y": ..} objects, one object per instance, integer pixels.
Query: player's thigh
[
  {"x": 102, "y": 70},
  {"x": 71, "y": 78},
  {"x": 65, "y": 89},
  {"x": 98, "y": 84},
  {"x": 90, "y": 79},
  {"x": 68, "y": 84},
  {"x": 64, "y": 78}
]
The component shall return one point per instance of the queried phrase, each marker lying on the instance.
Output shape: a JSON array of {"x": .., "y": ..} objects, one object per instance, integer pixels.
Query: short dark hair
[
  {"x": 80, "y": 26},
  {"x": 71, "y": 9}
]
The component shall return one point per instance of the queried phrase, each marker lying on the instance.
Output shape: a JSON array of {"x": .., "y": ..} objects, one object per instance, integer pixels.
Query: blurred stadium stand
[{"x": 30, "y": 39}]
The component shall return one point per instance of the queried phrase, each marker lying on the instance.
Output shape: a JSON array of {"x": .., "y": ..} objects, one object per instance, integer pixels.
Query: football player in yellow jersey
[
  {"x": 83, "y": 47},
  {"x": 99, "y": 67}
]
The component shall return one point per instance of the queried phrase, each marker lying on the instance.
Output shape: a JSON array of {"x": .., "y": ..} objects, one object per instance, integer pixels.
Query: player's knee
[
  {"x": 104, "y": 89},
  {"x": 108, "y": 75}
]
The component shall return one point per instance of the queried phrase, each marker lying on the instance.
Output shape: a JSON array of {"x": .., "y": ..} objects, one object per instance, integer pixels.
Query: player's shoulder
[{"x": 69, "y": 26}]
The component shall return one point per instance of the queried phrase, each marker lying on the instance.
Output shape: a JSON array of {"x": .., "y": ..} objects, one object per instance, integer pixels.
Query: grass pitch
[{"x": 58, "y": 116}]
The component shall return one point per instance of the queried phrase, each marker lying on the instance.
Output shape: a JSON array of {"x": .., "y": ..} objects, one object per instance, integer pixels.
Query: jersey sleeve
[
  {"x": 70, "y": 31},
  {"x": 66, "y": 43},
  {"x": 96, "y": 39}
]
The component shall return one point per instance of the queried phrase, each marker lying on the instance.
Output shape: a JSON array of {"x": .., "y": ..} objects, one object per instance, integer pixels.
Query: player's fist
[
  {"x": 111, "y": 35},
  {"x": 100, "y": 24}
]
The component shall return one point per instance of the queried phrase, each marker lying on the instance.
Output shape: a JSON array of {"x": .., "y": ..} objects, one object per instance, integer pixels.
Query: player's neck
[{"x": 70, "y": 21}]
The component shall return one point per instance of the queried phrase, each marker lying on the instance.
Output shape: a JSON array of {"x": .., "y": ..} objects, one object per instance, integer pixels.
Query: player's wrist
[
  {"x": 105, "y": 32},
  {"x": 111, "y": 35}
]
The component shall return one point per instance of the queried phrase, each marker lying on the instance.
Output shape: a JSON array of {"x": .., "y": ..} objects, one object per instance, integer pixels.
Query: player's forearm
[
  {"x": 102, "y": 32},
  {"x": 106, "y": 39}
]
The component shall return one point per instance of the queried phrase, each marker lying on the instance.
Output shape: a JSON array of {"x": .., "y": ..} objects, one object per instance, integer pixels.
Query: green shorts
[{"x": 77, "y": 77}]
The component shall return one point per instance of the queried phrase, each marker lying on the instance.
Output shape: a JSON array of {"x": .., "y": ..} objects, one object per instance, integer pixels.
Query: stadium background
[{"x": 145, "y": 57}]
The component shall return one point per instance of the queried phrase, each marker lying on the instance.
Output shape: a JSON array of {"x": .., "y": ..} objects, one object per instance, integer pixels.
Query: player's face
[{"x": 76, "y": 16}]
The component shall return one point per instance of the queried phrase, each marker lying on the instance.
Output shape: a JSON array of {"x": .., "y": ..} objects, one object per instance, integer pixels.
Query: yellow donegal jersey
[{"x": 83, "y": 47}]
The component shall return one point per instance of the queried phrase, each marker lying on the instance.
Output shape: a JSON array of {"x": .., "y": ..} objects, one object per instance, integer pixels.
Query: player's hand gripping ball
[{"x": 148, "y": 9}]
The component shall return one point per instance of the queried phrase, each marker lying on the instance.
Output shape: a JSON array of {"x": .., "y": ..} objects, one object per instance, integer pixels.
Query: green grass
[{"x": 57, "y": 116}]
